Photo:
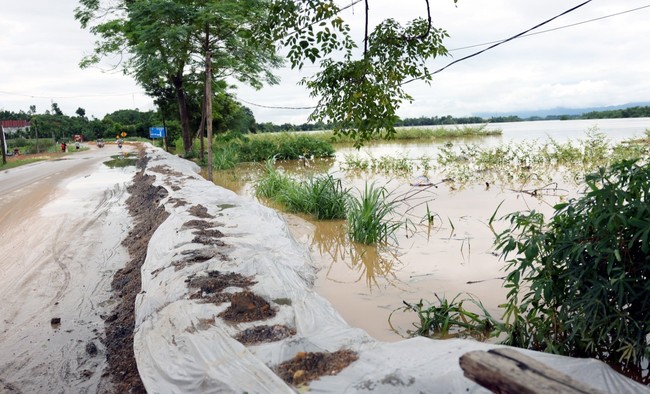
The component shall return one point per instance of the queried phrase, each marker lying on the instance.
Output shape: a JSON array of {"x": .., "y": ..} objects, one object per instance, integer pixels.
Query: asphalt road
[{"x": 61, "y": 224}]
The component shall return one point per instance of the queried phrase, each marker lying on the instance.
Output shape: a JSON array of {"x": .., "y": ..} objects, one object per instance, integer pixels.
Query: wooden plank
[{"x": 507, "y": 371}]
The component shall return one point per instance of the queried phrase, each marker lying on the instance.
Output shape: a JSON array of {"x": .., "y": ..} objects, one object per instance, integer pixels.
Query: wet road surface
[{"x": 61, "y": 224}]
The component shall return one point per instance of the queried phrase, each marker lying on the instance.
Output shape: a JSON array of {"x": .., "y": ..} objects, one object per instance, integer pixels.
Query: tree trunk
[
  {"x": 200, "y": 133},
  {"x": 208, "y": 108},
  {"x": 177, "y": 82}
]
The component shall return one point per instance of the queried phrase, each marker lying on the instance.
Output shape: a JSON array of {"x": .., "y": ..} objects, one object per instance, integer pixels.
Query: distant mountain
[{"x": 559, "y": 111}]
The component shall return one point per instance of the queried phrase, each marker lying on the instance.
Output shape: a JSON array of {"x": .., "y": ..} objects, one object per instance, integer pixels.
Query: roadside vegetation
[
  {"x": 22, "y": 151},
  {"x": 232, "y": 148}
]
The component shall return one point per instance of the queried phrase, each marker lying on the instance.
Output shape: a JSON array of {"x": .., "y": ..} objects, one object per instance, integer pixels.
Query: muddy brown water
[{"x": 454, "y": 255}]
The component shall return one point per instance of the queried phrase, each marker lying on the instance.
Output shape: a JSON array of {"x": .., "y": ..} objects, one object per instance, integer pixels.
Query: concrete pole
[{"x": 4, "y": 145}]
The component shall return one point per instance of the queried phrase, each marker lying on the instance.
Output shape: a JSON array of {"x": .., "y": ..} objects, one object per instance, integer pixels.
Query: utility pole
[
  {"x": 4, "y": 145},
  {"x": 36, "y": 131}
]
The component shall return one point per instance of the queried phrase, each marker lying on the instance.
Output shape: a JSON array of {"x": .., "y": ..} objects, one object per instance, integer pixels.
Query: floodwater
[{"x": 454, "y": 256}]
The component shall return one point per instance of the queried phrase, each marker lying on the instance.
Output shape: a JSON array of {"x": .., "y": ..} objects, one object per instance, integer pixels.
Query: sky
[{"x": 598, "y": 63}]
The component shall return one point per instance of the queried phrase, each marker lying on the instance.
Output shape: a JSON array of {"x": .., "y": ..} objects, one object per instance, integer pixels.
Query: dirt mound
[
  {"x": 306, "y": 367},
  {"x": 246, "y": 307},
  {"x": 144, "y": 206}
]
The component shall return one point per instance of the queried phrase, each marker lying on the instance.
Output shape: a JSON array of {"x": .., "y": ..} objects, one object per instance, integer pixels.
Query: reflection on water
[
  {"x": 375, "y": 267},
  {"x": 451, "y": 254}
]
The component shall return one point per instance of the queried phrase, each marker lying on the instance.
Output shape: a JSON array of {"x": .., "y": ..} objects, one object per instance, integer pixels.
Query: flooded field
[{"x": 445, "y": 249}]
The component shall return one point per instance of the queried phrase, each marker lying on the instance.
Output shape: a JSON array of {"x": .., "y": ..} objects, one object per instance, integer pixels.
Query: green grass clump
[
  {"x": 322, "y": 197},
  {"x": 272, "y": 183},
  {"x": 369, "y": 216},
  {"x": 225, "y": 157},
  {"x": 325, "y": 198}
]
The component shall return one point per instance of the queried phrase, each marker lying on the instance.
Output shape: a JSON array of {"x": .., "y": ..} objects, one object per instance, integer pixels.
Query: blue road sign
[{"x": 157, "y": 132}]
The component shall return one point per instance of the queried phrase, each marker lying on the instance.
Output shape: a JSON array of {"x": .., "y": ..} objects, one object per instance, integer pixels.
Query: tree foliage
[
  {"x": 164, "y": 42},
  {"x": 359, "y": 96},
  {"x": 579, "y": 282},
  {"x": 163, "y": 45}
]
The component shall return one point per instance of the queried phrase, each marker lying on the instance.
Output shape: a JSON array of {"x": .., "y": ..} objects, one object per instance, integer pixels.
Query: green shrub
[
  {"x": 256, "y": 149},
  {"x": 579, "y": 283}
]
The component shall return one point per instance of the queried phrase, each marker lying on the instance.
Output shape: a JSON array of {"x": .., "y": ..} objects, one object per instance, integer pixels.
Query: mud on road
[{"x": 147, "y": 213}]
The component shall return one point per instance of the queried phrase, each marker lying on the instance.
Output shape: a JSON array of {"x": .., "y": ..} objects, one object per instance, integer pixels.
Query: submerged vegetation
[
  {"x": 522, "y": 162},
  {"x": 322, "y": 196},
  {"x": 577, "y": 281},
  {"x": 451, "y": 319},
  {"x": 425, "y": 134},
  {"x": 369, "y": 215}
]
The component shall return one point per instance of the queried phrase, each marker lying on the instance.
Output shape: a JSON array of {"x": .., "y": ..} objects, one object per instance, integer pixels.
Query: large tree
[
  {"x": 181, "y": 44},
  {"x": 163, "y": 44}
]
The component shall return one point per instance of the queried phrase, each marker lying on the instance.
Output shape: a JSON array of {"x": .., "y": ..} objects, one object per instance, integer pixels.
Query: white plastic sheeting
[{"x": 182, "y": 346}]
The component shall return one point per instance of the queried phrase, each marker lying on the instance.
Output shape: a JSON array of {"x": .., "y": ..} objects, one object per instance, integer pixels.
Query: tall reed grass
[{"x": 369, "y": 216}]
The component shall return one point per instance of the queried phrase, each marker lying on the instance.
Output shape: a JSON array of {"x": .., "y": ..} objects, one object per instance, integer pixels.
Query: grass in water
[
  {"x": 322, "y": 197},
  {"x": 369, "y": 216}
]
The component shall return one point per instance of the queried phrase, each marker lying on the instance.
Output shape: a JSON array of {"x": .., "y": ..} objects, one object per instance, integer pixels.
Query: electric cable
[{"x": 526, "y": 33}]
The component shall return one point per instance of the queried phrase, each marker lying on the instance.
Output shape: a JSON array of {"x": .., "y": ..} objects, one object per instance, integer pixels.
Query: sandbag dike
[{"x": 227, "y": 306}]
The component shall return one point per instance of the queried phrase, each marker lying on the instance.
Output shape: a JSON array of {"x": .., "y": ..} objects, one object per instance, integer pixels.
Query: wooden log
[{"x": 506, "y": 371}]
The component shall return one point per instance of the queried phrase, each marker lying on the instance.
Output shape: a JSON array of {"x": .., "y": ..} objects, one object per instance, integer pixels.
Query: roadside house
[{"x": 12, "y": 126}]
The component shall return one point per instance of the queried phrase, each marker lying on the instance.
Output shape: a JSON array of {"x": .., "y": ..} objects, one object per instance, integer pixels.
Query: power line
[
  {"x": 526, "y": 33},
  {"x": 506, "y": 40},
  {"x": 270, "y": 106},
  {"x": 555, "y": 28},
  {"x": 68, "y": 97}
]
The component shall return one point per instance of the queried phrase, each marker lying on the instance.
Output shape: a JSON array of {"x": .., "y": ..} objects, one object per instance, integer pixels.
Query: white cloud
[{"x": 597, "y": 63}]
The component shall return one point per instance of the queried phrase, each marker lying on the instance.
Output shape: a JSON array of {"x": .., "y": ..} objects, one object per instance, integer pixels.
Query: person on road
[{"x": 64, "y": 146}]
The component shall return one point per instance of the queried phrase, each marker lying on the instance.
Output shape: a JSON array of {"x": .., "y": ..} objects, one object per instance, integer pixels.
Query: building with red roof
[{"x": 11, "y": 126}]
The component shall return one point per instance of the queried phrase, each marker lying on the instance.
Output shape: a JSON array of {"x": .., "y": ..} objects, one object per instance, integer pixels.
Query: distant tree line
[
  {"x": 231, "y": 115},
  {"x": 54, "y": 124}
]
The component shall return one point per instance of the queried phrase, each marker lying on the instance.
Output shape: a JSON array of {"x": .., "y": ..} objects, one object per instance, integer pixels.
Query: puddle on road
[{"x": 73, "y": 196}]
